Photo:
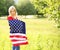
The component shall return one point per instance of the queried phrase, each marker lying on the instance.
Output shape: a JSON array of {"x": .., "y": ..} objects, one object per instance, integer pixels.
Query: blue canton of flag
[{"x": 17, "y": 26}]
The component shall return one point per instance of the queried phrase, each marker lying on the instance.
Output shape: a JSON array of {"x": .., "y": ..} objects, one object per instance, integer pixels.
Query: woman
[{"x": 17, "y": 29}]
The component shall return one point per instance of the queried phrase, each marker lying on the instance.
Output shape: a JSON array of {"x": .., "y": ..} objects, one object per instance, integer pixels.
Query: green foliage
[
  {"x": 26, "y": 8},
  {"x": 4, "y": 5},
  {"x": 49, "y": 8},
  {"x": 41, "y": 8}
]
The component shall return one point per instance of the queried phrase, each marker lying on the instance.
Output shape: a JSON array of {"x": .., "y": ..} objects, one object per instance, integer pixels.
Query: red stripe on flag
[
  {"x": 25, "y": 43},
  {"x": 18, "y": 36}
]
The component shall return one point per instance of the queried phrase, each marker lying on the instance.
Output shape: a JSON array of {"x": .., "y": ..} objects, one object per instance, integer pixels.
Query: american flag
[{"x": 17, "y": 32}]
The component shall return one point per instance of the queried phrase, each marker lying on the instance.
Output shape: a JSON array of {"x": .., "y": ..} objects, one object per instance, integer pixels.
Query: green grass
[{"x": 42, "y": 35}]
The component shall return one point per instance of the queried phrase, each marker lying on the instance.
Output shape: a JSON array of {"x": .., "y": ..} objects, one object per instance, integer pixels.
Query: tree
[
  {"x": 4, "y": 5},
  {"x": 49, "y": 8},
  {"x": 40, "y": 6},
  {"x": 25, "y": 8}
]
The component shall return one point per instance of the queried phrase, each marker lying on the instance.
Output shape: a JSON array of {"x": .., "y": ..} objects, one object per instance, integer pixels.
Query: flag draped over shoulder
[{"x": 17, "y": 32}]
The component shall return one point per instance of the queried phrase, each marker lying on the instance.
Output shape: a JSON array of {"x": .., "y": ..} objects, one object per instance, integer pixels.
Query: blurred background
[{"x": 42, "y": 19}]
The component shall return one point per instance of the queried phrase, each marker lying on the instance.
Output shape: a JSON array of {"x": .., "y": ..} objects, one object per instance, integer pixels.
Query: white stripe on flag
[
  {"x": 19, "y": 42},
  {"x": 17, "y": 34},
  {"x": 14, "y": 38}
]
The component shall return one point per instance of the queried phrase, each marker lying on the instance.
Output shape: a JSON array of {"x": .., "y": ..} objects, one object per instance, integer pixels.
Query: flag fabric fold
[{"x": 17, "y": 32}]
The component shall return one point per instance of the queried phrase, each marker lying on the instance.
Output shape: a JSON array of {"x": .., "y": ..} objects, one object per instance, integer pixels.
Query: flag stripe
[
  {"x": 19, "y": 42},
  {"x": 18, "y": 34},
  {"x": 18, "y": 38}
]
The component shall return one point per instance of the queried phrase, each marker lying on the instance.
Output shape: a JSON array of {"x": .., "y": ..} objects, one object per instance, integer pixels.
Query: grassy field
[{"x": 42, "y": 35}]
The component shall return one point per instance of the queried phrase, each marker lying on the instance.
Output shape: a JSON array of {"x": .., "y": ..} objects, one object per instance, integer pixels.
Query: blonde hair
[{"x": 10, "y": 8}]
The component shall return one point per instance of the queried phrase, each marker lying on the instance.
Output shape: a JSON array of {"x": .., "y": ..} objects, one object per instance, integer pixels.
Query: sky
[{"x": 16, "y": 1}]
